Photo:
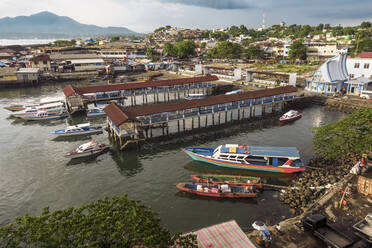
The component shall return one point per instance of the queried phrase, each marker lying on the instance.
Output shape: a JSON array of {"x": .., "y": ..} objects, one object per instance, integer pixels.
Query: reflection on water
[
  {"x": 266, "y": 177},
  {"x": 189, "y": 196},
  {"x": 128, "y": 163},
  {"x": 93, "y": 159}
]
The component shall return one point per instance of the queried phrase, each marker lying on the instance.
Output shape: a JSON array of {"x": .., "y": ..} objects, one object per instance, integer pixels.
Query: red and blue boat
[
  {"x": 219, "y": 191},
  {"x": 257, "y": 158}
]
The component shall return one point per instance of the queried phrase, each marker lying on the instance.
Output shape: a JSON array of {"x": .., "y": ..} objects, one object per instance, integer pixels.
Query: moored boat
[
  {"x": 51, "y": 107},
  {"x": 80, "y": 129},
  {"x": 194, "y": 96},
  {"x": 43, "y": 101},
  {"x": 258, "y": 158},
  {"x": 96, "y": 111},
  {"x": 231, "y": 180},
  {"x": 19, "y": 107},
  {"x": 291, "y": 115},
  {"x": 87, "y": 149},
  {"x": 234, "y": 92},
  {"x": 218, "y": 190},
  {"x": 43, "y": 115}
]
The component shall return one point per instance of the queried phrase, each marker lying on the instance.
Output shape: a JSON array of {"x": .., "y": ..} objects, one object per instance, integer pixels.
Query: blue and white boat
[
  {"x": 80, "y": 129},
  {"x": 258, "y": 158},
  {"x": 43, "y": 115},
  {"x": 51, "y": 107},
  {"x": 96, "y": 110}
]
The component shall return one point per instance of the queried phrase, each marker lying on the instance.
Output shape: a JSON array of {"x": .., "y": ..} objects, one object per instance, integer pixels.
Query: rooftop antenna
[{"x": 263, "y": 20}]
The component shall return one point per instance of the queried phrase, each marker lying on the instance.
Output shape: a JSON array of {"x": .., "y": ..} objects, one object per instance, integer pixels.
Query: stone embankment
[
  {"x": 314, "y": 182},
  {"x": 347, "y": 104}
]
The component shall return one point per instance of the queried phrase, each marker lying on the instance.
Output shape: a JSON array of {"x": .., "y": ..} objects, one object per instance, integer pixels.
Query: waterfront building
[
  {"x": 86, "y": 64},
  {"x": 334, "y": 76},
  {"x": 330, "y": 76},
  {"x": 360, "y": 66},
  {"x": 28, "y": 75},
  {"x": 40, "y": 61}
]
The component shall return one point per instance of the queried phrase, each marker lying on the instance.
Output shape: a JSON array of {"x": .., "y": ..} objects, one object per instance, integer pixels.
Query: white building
[
  {"x": 360, "y": 66},
  {"x": 87, "y": 64}
]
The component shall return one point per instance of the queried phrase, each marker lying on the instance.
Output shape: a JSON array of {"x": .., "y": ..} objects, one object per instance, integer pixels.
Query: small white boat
[
  {"x": 194, "y": 96},
  {"x": 96, "y": 110},
  {"x": 80, "y": 129},
  {"x": 51, "y": 107},
  {"x": 290, "y": 116},
  {"x": 43, "y": 115},
  {"x": 87, "y": 149}
]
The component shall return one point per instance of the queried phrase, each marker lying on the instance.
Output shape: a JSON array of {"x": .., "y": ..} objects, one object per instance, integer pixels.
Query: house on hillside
[{"x": 40, "y": 61}]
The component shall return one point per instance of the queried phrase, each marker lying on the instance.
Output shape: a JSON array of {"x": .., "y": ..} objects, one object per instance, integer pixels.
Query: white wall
[{"x": 361, "y": 71}]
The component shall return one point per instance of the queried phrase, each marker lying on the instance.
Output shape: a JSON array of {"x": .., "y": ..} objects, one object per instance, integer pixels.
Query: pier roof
[
  {"x": 69, "y": 89},
  {"x": 133, "y": 112}
]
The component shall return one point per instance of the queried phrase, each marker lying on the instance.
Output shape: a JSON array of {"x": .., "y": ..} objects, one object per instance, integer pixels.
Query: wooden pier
[{"x": 150, "y": 121}]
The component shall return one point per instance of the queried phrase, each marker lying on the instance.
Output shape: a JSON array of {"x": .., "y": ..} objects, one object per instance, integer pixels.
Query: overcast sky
[{"x": 146, "y": 15}]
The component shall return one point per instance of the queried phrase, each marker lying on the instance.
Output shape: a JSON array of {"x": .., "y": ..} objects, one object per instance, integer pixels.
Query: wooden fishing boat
[
  {"x": 42, "y": 115},
  {"x": 258, "y": 158},
  {"x": 217, "y": 190},
  {"x": 291, "y": 115},
  {"x": 231, "y": 180}
]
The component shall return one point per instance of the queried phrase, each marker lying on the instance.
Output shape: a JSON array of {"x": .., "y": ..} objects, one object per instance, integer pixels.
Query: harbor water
[{"x": 34, "y": 173}]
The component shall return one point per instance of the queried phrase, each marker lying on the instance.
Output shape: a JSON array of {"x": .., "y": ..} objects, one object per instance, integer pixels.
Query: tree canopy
[
  {"x": 182, "y": 49},
  {"x": 253, "y": 52},
  {"x": 151, "y": 54},
  {"x": 116, "y": 222},
  {"x": 350, "y": 135},
  {"x": 225, "y": 50},
  {"x": 297, "y": 50}
]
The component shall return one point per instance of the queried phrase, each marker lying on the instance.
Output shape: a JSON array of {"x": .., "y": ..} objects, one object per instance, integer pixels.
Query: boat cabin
[{"x": 259, "y": 155}]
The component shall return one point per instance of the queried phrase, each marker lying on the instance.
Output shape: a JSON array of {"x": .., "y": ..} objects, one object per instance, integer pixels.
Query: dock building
[
  {"x": 133, "y": 124},
  {"x": 139, "y": 93}
]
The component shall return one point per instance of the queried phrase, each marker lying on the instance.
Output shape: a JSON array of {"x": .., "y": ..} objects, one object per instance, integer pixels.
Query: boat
[
  {"x": 219, "y": 191},
  {"x": 194, "y": 96},
  {"x": 43, "y": 101},
  {"x": 43, "y": 115},
  {"x": 290, "y": 116},
  {"x": 51, "y": 107},
  {"x": 96, "y": 111},
  {"x": 258, "y": 158},
  {"x": 80, "y": 129},
  {"x": 87, "y": 149},
  {"x": 19, "y": 107},
  {"x": 232, "y": 180},
  {"x": 234, "y": 92}
]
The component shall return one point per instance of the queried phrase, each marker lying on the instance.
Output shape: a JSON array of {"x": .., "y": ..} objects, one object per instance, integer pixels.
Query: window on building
[
  {"x": 356, "y": 65},
  {"x": 351, "y": 75},
  {"x": 44, "y": 62},
  {"x": 366, "y": 65}
]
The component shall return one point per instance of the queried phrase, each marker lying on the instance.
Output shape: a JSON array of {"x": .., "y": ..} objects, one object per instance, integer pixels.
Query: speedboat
[
  {"x": 258, "y": 158},
  {"x": 234, "y": 92},
  {"x": 43, "y": 115},
  {"x": 80, "y": 129},
  {"x": 194, "y": 96},
  {"x": 51, "y": 107},
  {"x": 87, "y": 149},
  {"x": 19, "y": 107},
  {"x": 290, "y": 116},
  {"x": 43, "y": 101}
]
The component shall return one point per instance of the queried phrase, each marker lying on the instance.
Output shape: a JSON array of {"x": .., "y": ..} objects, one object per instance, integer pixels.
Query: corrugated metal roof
[
  {"x": 227, "y": 234},
  {"x": 115, "y": 114},
  {"x": 141, "y": 85},
  {"x": 364, "y": 55},
  {"x": 69, "y": 90},
  {"x": 133, "y": 112}
]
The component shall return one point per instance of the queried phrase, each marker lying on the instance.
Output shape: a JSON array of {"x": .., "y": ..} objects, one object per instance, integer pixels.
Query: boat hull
[
  {"x": 98, "y": 131},
  {"x": 181, "y": 186},
  {"x": 73, "y": 154},
  {"x": 218, "y": 179},
  {"x": 228, "y": 164},
  {"x": 290, "y": 119}
]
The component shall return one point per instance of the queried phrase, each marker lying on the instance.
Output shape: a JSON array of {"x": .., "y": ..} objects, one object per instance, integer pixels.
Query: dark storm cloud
[{"x": 216, "y": 4}]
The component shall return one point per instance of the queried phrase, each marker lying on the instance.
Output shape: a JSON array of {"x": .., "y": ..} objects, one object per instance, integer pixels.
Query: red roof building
[{"x": 364, "y": 55}]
